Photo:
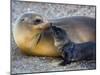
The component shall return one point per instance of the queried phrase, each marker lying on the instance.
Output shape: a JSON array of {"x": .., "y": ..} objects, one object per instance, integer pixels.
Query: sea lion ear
[{"x": 22, "y": 20}]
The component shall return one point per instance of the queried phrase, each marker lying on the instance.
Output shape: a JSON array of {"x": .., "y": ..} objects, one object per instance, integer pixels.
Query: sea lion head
[
  {"x": 32, "y": 21},
  {"x": 28, "y": 29}
]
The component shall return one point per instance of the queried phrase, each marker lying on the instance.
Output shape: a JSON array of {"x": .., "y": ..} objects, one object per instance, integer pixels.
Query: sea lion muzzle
[{"x": 42, "y": 26}]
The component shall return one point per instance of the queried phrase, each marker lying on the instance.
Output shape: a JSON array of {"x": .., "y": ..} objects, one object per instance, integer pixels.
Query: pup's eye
[{"x": 37, "y": 21}]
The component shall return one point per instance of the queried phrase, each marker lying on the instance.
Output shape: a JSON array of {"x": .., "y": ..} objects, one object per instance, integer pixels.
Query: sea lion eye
[
  {"x": 37, "y": 21},
  {"x": 22, "y": 19}
]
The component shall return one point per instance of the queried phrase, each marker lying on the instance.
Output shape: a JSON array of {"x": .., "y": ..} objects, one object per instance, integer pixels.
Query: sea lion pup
[
  {"x": 32, "y": 36},
  {"x": 71, "y": 51},
  {"x": 60, "y": 37}
]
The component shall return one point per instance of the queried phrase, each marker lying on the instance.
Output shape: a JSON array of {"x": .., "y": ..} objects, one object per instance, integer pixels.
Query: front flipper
[
  {"x": 66, "y": 57},
  {"x": 64, "y": 62},
  {"x": 67, "y": 53}
]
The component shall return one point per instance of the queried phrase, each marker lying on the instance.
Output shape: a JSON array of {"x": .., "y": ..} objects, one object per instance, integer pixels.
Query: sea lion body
[
  {"x": 33, "y": 38},
  {"x": 45, "y": 46},
  {"x": 78, "y": 52},
  {"x": 79, "y": 28}
]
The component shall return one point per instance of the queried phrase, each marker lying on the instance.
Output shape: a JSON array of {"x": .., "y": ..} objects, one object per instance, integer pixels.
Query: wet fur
[
  {"x": 77, "y": 52},
  {"x": 71, "y": 51}
]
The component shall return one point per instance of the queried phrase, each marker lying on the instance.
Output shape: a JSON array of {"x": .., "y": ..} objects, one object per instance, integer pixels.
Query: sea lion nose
[
  {"x": 43, "y": 26},
  {"x": 46, "y": 25}
]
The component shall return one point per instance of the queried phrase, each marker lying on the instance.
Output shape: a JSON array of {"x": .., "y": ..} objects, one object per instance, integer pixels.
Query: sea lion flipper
[
  {"x": 66, "y": 60},
  {"x": 67, "y": 53}
]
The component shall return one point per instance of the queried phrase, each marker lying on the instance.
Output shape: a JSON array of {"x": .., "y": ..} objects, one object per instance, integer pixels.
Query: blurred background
[{"x": 25, "y": 64}]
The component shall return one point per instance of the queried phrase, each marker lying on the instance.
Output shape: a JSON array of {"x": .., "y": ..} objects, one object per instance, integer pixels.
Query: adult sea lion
[
  {"x": 33, "y": 36},
  {"x": 79, "y": 28}
]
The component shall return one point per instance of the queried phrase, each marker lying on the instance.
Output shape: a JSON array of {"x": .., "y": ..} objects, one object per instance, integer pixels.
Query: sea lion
[
  {"x": 60, "y": 37},
  {"x": 71, "y": 51},
  {"x": 33, "y": 35}
]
